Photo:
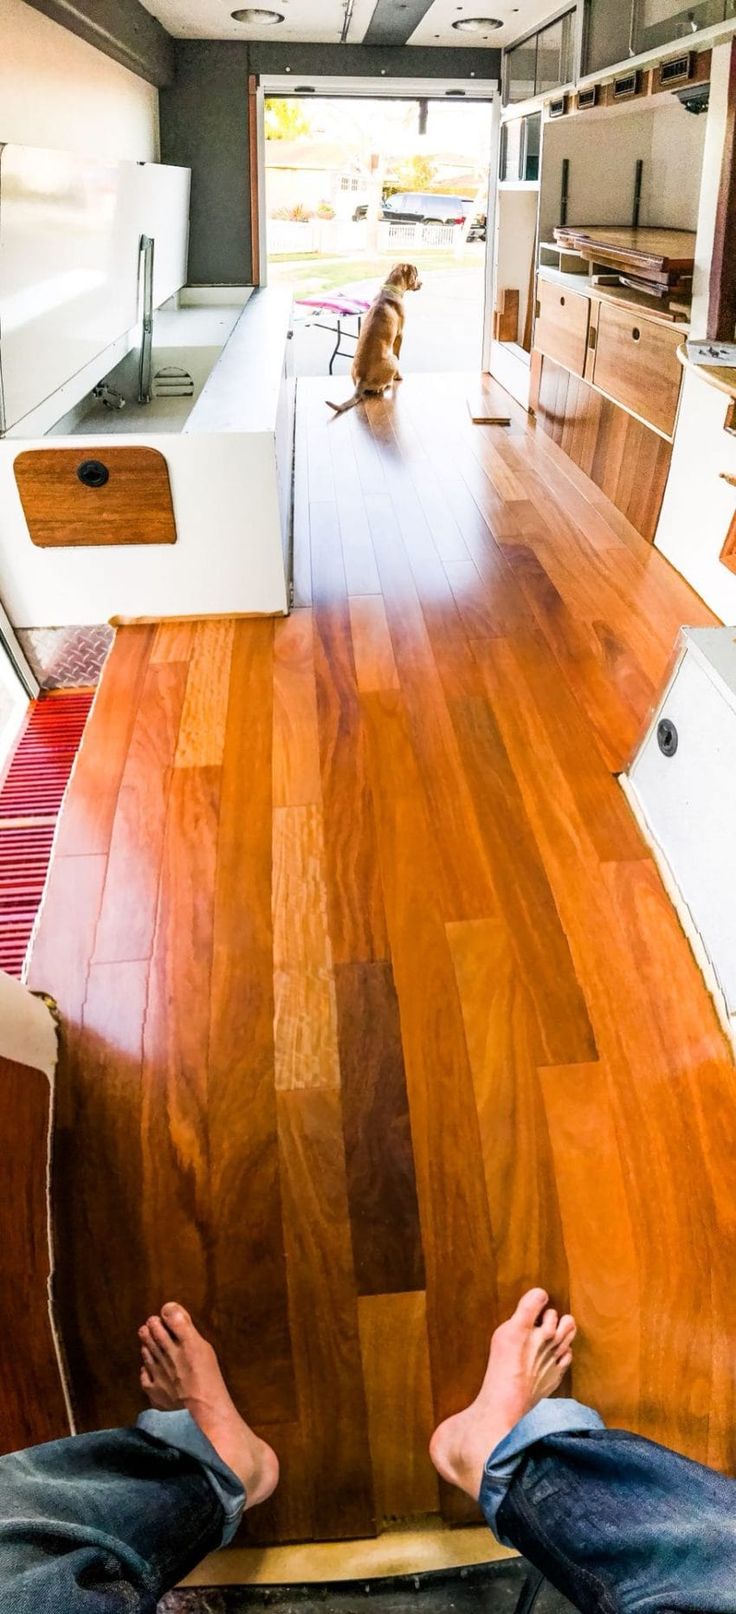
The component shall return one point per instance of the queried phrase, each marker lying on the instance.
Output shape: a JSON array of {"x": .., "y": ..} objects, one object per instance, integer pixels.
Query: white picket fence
[{"x": 332, "y": 237}]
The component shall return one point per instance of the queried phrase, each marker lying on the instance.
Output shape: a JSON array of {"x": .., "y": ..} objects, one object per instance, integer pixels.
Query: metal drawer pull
[
  {"x": 562, "y": 302},
  {"x": 636, "y": 333},
  {"x": 668, "y": 738}
]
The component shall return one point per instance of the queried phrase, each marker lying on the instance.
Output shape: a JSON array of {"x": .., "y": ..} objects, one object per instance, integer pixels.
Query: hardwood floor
[{"x": 375, "y": 1008}]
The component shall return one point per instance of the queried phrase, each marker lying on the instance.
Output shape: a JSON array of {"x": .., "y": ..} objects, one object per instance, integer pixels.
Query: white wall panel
[{"x": 69, "y": 232}]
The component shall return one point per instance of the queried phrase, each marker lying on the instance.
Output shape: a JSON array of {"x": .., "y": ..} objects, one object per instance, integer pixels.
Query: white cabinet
[{"x": 682, "y": 786}]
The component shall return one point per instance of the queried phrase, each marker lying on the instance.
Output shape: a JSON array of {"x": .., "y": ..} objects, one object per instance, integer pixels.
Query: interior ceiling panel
[
  {"x": 436, "y": 27},
  {"x": 305, "y": 21},
  {"x": 374, "y": 22}
]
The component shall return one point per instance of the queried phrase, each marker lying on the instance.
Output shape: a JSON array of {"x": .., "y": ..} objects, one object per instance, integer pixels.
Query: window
[
  {"x": 344, "y": 183},
  {"x": 541, "y": 63}
]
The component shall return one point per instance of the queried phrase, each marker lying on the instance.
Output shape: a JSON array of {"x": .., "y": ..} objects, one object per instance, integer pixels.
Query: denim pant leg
[
  {"x": 615, "y": 1522},
  {"x": 105, "y": 1523}
]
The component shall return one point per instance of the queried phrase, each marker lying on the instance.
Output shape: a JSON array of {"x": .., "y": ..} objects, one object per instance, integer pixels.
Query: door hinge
[{"x": 537, "y": 309}]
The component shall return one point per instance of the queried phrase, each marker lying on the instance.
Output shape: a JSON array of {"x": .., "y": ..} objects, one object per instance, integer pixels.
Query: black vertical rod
[
  {"x": 637, "y": 191},
  {"x": 564, "y": 188}
]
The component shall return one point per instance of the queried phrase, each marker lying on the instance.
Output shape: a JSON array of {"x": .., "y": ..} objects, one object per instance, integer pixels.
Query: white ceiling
[
  {"x": 517, "y": 16},
  {"x": 321, "y": 21}
]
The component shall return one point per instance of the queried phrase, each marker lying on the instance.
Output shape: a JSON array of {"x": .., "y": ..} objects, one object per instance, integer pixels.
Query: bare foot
[
  {"x": 530, "y": 1355},
  {"x": 180, "y": 1370}
]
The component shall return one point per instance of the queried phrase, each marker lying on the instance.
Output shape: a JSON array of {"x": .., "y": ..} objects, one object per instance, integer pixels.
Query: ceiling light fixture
[
  {"x": 477, "y": 25},
  {"x": 256, "y": 14}
]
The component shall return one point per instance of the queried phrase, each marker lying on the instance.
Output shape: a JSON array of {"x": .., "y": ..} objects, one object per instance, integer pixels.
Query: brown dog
[{"x": 376, "y": 362}]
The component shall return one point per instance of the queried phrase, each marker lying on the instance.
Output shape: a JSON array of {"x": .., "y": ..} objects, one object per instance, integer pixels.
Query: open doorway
[{"x": 355, "y": 184}]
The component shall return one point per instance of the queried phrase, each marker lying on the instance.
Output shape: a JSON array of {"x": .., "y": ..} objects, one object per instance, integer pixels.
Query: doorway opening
[{"x": 355, "y": 184}]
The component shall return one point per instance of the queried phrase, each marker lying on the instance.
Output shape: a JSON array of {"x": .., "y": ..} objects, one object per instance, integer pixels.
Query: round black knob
[
  {"x": 667, "y": 737},
  {"x": 93, "y": 473}
]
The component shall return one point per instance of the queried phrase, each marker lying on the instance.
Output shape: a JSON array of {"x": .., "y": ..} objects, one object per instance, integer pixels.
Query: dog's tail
[{"x": 340, "y": 409}]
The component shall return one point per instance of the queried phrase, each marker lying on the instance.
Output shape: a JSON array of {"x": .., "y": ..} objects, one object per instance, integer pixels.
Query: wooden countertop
[{"x": 724, "y": 379}]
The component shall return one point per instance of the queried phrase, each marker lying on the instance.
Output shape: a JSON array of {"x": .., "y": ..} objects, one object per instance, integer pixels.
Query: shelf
[
  {"x": 610, "y": 294},
  {"x": 723, "y": 379}
]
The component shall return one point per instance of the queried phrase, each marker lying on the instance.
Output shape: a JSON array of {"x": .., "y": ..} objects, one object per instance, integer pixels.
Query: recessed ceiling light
[
  {"x": 257, "y": 14},
  {"x": 477, "y": 25}
]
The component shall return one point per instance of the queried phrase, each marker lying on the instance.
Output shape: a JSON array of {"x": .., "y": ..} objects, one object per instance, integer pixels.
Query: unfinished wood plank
[
  {"x": 296, "y": 768},
  {"x": 248, "y": 1303},
  {"x": 306, "y": 1050},
  {"x": 375, "y": 667},
  {"x": 382, "y": 1192},
  {"x": 505, "y": 1048},
  {"x": 324, "y": 1313},
  {"x": 86, "y": 822},
  {"x": 204, "y": 716},
  {"x": 128, "y": 913},
  {"x": 399, "y": 1398}
]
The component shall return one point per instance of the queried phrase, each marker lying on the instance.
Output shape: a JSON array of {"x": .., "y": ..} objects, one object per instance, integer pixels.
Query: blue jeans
[
  {"x": 614, "y": 1521},
  {"x": 106, "y": 1523}
]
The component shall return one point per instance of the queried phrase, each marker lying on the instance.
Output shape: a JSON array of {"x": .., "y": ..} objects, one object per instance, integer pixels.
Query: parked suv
[{"x": 412, "y": 207}]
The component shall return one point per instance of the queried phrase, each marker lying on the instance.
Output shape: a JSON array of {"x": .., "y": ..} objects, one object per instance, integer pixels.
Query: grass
[{"x": 308, "y": 272}]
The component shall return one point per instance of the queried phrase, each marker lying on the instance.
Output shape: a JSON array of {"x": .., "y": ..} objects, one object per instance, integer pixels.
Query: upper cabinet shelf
[
  {"x": 541, "y": 62},
  {"x": 617, "y": 30}
]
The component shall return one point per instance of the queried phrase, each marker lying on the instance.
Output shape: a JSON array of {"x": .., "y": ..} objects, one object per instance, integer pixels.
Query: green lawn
[{"x": 310, "y": 273}]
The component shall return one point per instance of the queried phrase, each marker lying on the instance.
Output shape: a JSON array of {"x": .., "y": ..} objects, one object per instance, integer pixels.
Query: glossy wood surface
[
  {"x": 133, "y": 506},
  {"x": 636, "y": 364},
  {"x": 32, "y": 1405},
  {"x": 561, "y": 325},
  {"x": 624, "y": 458},
  {"x": 375, "y": 1008}
]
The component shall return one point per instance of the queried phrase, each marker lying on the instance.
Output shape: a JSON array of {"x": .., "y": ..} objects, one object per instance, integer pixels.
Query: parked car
[{"x": 421, "y": 207}]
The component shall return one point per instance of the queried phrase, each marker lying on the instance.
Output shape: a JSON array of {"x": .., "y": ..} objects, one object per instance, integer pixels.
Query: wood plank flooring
[{"x": 375, "y": 1010}]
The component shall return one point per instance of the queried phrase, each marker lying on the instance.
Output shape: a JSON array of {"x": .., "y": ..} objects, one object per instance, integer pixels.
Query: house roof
[{"x": 326, "y": 156}]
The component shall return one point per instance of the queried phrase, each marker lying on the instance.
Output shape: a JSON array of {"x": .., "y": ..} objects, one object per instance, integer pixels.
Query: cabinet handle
[
  {"x": 562, "y": 302},
  {"x": 636, "y": 333}
]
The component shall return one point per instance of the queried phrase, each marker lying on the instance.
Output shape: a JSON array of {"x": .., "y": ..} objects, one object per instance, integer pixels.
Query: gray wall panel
[{"x": 204, "y": 126}]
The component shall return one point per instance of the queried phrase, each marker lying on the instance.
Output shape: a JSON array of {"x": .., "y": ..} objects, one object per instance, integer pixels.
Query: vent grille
[
  {"x": 30, "y": 800},
  {"x": 675, "y": 71},
  {"x": 587, "y": 98},
  {"x": 627, "y": 85}
]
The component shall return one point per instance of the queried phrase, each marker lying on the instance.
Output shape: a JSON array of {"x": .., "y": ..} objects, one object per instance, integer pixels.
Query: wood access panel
[
  {"x": 561, "y": 329},
  {"x": 80, "y": 497},
  {"x": 636, "y": 363}
]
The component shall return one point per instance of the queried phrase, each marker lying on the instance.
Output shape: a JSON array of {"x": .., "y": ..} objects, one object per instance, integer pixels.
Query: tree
[
  {"x": 285, "y": 119},
  {"x": 415, "y": 174}
]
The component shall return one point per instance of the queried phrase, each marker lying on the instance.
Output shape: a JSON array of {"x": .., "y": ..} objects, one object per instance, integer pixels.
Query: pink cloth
[{"x": 336, "y": 304}]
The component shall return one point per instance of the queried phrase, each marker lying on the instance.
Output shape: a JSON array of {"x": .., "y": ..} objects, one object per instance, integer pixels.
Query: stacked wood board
[{"x": 653, "y": 260}]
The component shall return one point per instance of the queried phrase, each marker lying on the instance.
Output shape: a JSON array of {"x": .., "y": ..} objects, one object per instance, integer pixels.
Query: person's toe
[
  {"x": 564, "y": 1362},
  {"x": 548, "y": 1326},
  {"x": 146, "y": 1379},
  {"x": 148, "y": 1360},
  {"x": 160, "y": 1336},
  {"x": 530, "y": 1306},
  {"x": 177, "y": 1320},
  {"x": 565, "y": 1332}
]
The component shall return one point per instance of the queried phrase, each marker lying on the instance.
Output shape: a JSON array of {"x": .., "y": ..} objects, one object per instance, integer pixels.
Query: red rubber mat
[{"x": 30, "y": 800}]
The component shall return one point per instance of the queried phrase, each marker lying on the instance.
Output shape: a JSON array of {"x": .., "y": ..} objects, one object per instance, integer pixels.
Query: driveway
[{"x": 443, "y": 325}]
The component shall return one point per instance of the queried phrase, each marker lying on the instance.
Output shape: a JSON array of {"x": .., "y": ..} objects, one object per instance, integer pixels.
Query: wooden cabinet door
[
  {"x": 635, "y": 363},
  {"x": 561, "y": 329}
]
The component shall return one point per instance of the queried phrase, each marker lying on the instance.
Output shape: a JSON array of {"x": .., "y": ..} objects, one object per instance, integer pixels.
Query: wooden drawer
[
  {"x": 561, "y": 329},
  {"x": 635, "y": 363}
]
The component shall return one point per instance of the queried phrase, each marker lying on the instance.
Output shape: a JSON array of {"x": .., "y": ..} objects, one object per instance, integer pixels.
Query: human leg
[
  {"x": 615, "y": 1522},
  {"x": 108, "y": 1522}
]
